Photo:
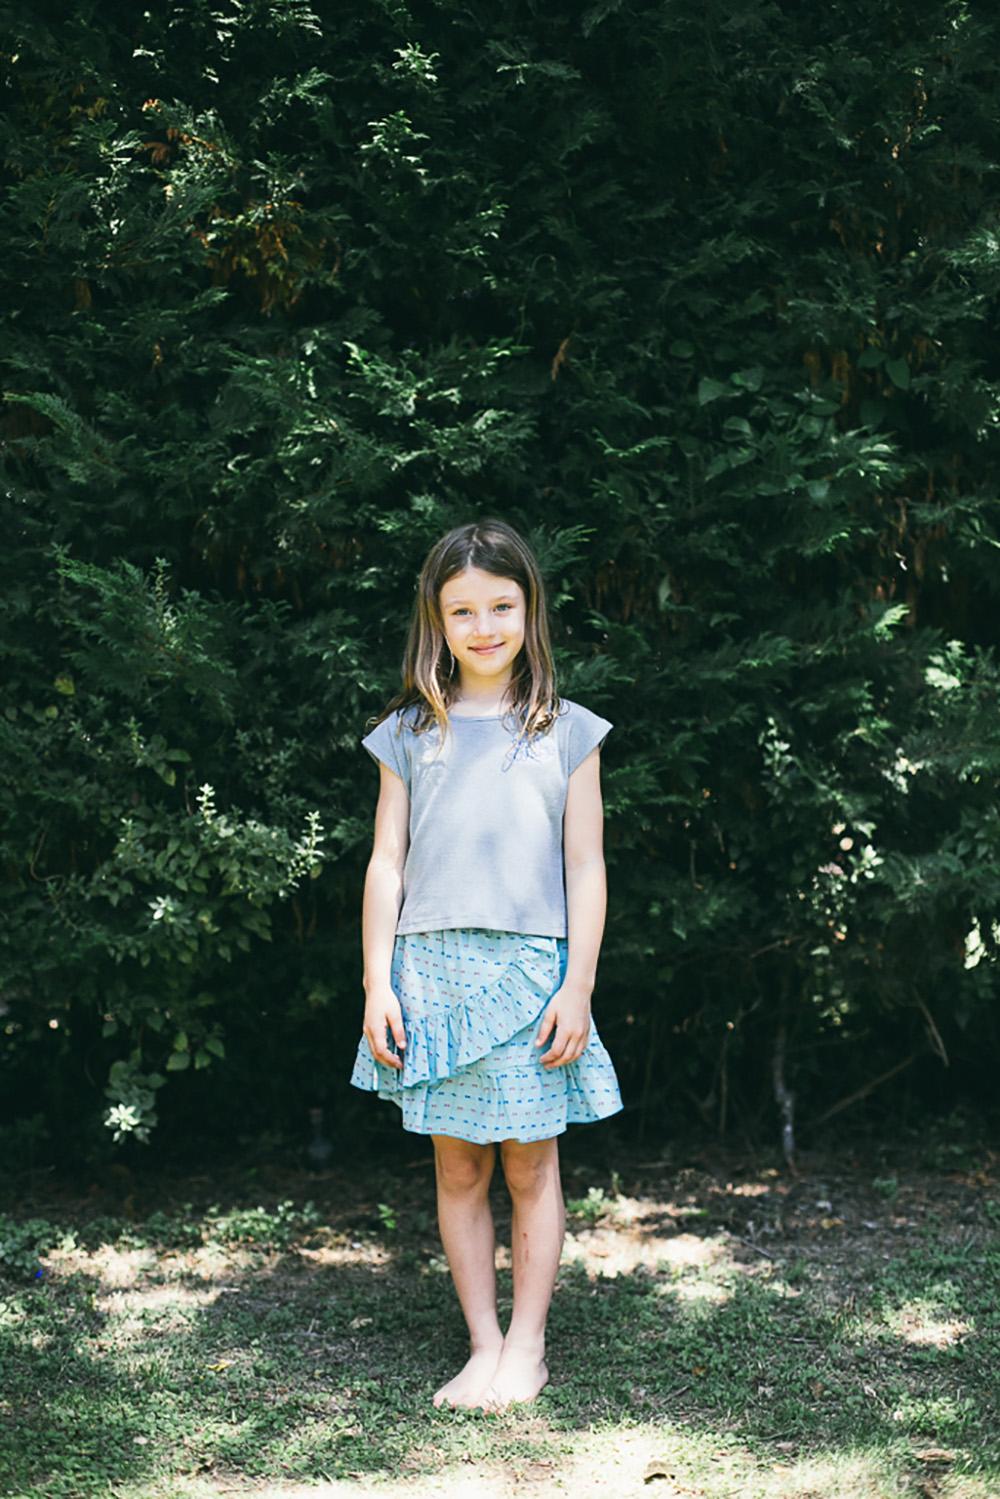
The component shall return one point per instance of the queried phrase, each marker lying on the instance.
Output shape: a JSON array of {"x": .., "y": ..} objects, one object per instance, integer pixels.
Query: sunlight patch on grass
[
  {"x": 608, "y": 1250},
  {"x": 347, "y": 1252},
  {"x": 750, "y": 1189},
  {"x": 121, "y": 1269},
  {"x": 172, "y": 1307},
  {"x": 846, "y": 1476},
  {"x": 963, "y": 1486},
  {"x": 190, "y": 1486},
  {"x": 666, "y": 1460},
  {"x": 634, "y": 1462},
  {"x": 920, "y": 1322},
  {"x": 708, "y": 1291},
  {"x": 777, "y": 1286},
  {"x": 116, "y": 1269}
]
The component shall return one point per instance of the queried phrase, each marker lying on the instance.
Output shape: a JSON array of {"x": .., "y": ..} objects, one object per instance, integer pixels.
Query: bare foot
[
  {"x": 520, "y": 1374},
  {"x": 472, "y": 1380}
]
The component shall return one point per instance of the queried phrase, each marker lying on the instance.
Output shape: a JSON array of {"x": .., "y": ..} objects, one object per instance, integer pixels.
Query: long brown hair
[{"x": 428, "y": 686}]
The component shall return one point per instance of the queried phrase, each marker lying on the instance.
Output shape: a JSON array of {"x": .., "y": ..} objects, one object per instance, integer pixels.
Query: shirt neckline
[{"x": 473, "y": 717}]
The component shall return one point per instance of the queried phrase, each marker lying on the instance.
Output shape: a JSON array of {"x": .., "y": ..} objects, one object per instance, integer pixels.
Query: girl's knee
[
  {"x": 462, "y": 1166},
  {"x": 529, "y": 1167}
]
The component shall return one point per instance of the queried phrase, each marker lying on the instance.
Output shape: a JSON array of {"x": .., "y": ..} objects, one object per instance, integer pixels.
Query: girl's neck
[{"x": 474, "y": 708}]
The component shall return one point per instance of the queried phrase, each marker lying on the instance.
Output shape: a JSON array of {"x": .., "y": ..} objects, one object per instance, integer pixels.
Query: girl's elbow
[
  {"x": 592, "y": 859},
  {"x": 386, "y": 864}
]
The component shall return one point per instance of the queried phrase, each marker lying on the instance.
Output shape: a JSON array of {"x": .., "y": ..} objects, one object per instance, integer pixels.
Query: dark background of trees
[{"x": 700, "y": 296}]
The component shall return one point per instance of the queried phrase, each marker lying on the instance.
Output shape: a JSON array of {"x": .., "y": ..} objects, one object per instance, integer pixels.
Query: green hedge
[{"x": 702, "y": 298}]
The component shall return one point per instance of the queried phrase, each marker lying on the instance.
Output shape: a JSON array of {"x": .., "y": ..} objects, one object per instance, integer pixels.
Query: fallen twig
[{"x": 755, "y": 1247}]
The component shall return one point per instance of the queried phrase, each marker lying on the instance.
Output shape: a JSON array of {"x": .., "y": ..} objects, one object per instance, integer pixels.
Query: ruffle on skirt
[{"x": 472, "y": 1001}]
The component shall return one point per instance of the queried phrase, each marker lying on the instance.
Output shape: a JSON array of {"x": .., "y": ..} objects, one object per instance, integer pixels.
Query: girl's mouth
[{"x": 484, "y": 650}]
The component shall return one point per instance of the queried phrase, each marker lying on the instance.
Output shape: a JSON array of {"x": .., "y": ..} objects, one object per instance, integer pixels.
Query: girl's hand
[
  {"x": 382, "y": 1009},
  {"x": 569, "y": 1012}
]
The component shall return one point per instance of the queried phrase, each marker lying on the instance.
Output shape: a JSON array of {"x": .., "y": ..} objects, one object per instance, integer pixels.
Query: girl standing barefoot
[{"x": 482, "y": 918}]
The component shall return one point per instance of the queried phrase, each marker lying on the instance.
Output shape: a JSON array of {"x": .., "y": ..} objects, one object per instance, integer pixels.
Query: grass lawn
[{"x": 719, "y": 1328}]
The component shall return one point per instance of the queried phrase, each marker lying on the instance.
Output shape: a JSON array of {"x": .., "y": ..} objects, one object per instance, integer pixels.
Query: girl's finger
[
  {"x": 548, "y": 1021},
  {"x": 393, "y": 1060},
  {"x": 573, "y": 1049},
  {"x": 556, "y": 1051},
  {"x": 579, "y": 1047},
  {"x": 381, "y": 1054}
]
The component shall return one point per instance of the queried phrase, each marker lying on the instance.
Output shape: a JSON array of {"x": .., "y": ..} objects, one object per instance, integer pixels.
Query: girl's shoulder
[
  {"x": 580, "y": 730},
  {"x": 572, "y": 712},
  {"x": 389, "y": 742},
  {"x": 401, "y": 718}
]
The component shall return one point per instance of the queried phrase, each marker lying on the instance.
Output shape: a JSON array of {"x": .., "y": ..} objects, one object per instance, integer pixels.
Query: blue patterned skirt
[{"x": 472, "y": 1000}]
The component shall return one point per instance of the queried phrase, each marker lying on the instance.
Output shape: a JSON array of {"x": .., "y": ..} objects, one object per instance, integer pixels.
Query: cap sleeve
[
  {"x": 386, "y": 746},
  {"x": 586, "y": 731}
]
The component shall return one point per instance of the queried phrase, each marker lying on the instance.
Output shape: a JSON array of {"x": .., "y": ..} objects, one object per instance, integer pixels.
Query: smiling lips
[{"x": 484, "y": 650}]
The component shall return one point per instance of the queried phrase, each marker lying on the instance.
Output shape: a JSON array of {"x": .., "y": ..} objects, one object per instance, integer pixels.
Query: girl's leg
[
  {"x": 538, "y": 1224},
  {"x": 466, "y": 1223}
]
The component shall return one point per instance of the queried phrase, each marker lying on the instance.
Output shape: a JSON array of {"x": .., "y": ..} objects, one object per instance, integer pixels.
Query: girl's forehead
[{"x": 474, "y": 583}]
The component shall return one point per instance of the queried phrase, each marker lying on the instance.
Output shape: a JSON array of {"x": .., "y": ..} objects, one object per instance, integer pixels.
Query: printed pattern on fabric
[{"x": 472, "y": 1000}]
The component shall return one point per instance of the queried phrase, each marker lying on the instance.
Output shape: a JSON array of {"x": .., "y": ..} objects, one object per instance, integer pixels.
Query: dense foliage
[{"x": 699, "y": 296}]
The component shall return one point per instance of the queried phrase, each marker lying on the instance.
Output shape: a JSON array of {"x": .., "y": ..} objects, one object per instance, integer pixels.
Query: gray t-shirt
[{"x": 486, "y": 840}]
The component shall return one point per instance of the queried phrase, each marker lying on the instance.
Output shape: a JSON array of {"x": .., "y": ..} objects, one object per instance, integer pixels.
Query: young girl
[{"x": 482, "y": 919}]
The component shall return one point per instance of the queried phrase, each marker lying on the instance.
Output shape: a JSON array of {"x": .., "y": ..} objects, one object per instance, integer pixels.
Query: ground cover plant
[{"x": 720, "y": 1328}]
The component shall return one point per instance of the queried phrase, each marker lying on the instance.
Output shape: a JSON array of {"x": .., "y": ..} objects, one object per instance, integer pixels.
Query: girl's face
[{"x": 484, "y": 620}]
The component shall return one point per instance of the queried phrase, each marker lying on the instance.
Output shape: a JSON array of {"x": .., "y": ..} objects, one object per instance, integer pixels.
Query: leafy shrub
[{"x": 700, "y": 300}]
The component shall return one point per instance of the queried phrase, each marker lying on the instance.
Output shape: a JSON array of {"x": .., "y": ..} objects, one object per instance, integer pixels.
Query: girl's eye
[{"x": 463, "y": 610}]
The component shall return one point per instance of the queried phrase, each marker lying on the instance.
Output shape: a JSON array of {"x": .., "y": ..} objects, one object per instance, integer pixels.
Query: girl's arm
[
  {"x": 586, "y": 906},
  {"x": 379, "y": 912}
]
